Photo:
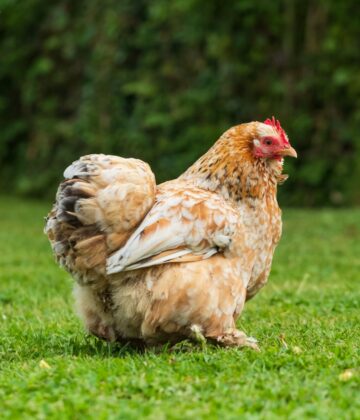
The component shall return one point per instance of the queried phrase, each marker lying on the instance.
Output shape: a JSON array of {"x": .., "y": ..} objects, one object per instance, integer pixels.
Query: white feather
[{"x": 158, "y": 261}]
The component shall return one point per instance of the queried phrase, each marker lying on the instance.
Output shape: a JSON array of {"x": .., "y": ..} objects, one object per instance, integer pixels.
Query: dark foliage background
[{"x": 161, "y": 80}]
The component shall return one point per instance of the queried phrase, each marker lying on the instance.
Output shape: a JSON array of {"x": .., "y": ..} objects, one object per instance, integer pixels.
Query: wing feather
[{"x": 187, "y": 222}]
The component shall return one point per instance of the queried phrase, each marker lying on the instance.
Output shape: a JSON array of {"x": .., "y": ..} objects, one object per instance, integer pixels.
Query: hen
[{"x": 162, "y": 263}]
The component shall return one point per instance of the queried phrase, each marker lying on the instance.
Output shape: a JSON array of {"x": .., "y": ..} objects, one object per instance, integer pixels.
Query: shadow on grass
[{"x": 40, "y": 344}]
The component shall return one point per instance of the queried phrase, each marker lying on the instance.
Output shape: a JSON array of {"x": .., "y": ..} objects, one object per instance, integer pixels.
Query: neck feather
[{"x": 230, "y": 169}]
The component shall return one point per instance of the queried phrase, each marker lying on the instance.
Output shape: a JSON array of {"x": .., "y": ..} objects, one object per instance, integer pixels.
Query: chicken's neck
[{"x": 235, "y": 173}]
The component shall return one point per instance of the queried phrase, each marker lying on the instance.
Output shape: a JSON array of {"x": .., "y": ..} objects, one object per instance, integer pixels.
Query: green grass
[{"x": 307, "y": 321}]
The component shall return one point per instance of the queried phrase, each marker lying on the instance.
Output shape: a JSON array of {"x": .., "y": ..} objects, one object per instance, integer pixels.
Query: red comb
[{"x": 276, "y": 124}]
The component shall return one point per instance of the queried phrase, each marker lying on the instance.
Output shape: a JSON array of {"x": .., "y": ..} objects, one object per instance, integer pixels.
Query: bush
[{"x": 162, "y": 80}]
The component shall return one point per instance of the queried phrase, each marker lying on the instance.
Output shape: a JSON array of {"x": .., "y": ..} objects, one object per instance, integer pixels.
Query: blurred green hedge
[{"x": 161, "y": 80}]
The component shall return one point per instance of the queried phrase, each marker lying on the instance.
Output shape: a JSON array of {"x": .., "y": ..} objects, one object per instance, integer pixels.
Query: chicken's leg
[{"x": 92, "y": 309}]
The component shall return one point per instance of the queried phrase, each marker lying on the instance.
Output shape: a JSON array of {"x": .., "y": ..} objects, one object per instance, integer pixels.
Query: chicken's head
[{"x": 271, "y": 141}]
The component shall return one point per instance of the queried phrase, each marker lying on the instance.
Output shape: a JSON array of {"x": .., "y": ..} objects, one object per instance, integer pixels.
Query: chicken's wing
[{"x": 185, "y": 224}]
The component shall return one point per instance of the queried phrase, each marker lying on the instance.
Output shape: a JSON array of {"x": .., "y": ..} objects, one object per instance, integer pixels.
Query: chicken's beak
[{"x": 289, "y": 151}]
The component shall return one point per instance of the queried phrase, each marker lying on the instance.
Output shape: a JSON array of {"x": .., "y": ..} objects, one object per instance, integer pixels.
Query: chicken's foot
[{"x": 236, "y": 338}]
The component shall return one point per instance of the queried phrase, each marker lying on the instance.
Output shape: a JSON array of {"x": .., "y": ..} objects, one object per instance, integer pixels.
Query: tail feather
[{"x": 99, "y": 204}]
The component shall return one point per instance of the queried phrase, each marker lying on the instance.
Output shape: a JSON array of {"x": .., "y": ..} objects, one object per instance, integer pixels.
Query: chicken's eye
[{"x": 268, "y": 142}]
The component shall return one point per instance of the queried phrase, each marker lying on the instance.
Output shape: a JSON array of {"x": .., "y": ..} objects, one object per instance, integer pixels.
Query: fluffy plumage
[{"x": 160, "y": 263}]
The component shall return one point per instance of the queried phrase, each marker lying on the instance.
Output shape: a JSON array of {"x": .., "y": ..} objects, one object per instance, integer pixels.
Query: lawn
[{"x": 307, "y": 321}]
